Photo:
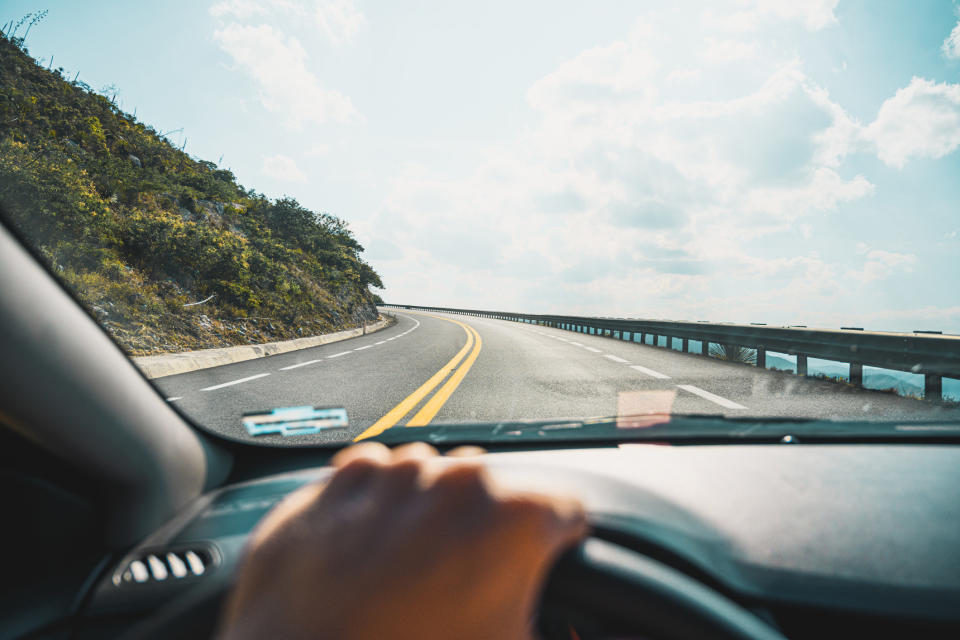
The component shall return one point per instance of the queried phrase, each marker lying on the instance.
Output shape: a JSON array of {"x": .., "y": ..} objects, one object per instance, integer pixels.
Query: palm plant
[{"x": 733, "y": 353}]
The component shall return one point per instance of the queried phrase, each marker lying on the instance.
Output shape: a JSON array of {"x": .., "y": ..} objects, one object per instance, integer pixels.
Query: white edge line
[
  {"x": 712, "y": 397},
  {"x": 650, "y": 372},
  {"x": 233, "y": 382},
  {"x": 299, "y": 364},
  {"x": 174, "y": 398},
  {"x": 337, "y": 355},
  {"x": 364, "y": 347},
  {"x": 379, "y": 343}
]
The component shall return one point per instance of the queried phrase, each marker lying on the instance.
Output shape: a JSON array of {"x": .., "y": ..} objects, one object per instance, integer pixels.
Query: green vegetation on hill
[{"x": 139, "y": 229}]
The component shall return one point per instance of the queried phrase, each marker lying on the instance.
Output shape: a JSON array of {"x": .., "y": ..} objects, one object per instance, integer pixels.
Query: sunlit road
[{"x": 431, "y": 369}]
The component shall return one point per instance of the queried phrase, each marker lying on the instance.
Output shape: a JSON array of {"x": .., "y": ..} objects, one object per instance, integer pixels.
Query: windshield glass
[{"x": 309, "y": 222}]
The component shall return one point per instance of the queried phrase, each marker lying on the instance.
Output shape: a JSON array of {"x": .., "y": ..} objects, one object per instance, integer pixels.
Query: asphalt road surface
[{"x": 435, "y": 369}]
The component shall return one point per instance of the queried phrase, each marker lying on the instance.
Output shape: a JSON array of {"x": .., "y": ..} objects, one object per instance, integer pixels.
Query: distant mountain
[
  {"x": 904, "y": 382},
  {"x": 893, "y": 380}
]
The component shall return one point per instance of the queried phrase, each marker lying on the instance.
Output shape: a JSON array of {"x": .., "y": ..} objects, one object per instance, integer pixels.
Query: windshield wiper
[{"x": 675, "y": 429}]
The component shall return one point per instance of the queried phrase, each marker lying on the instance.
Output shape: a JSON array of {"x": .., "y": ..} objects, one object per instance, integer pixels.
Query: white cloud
[
  {"x": 620, "y": 70},
  {"x": 726, "y": 51},
  {"x": 921, "y": 120},
  {"x": 636, "y": 191},
  {"x": 683, "y": 75},
  {"x": 814, "y": 14},
  {"x": 283, "y": 168},
  {"x": 621, "y": 188},
  {"x": 823, "y": 191},
  {"x": 340, "y": 20},
  {"x": 841, "y": 138},
  {"x": 881, "y": 264},
  {"x": 337, "y": 20},
  {"x": 951, "y": 45},
  {"x": 241, "y": 9},
  {"x": 278, "y": 64},
  {"x": 317, "y": 150}
]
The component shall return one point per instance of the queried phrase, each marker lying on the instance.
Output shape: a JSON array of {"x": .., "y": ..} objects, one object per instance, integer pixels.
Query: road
[{"x": 431, "y": 368}]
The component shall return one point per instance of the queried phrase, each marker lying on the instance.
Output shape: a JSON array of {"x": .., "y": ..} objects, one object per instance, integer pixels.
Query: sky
[{"x": 745, "y": 161}]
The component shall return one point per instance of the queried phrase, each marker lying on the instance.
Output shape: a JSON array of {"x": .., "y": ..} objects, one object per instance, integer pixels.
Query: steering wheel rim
[
  {"x": 602, "y": 580},
  {"x": 596, "y": 579}
]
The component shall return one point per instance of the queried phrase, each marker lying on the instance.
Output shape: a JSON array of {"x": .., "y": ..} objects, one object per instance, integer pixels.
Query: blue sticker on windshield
[{"x": 294, "y": 421}]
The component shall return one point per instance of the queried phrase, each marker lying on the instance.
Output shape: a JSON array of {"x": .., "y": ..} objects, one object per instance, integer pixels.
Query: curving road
[{"x": 431, "y": 368}]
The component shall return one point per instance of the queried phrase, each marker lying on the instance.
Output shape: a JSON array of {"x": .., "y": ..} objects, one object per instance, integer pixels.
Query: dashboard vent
[{"x": 166, "y": 565}]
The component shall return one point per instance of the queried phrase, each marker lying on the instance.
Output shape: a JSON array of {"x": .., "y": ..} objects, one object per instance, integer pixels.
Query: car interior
[{"x": 123, "y": 519}]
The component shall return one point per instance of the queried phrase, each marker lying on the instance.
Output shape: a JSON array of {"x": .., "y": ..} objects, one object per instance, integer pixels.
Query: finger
[
  {"x": 466, "y": 452},
  {"x": 461, "y": 484},
  {"x": 558, "y": 521},
  {"x": 288, "y": 508},
  {"x": 371, "y": 451},
  {"x": 402, "y": 474},
  {"x": 570, "y": 521},
  {"x": 354, "y": 468},
  {"x": 414, "y": 451}
]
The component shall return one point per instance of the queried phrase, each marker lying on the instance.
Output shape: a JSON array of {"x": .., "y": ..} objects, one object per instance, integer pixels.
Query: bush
[
  {"x": 733, "y": 353},
  {"x": 138, "y": 229}
]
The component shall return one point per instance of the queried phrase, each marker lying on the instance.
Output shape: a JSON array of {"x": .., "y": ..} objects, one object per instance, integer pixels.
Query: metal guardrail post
[
  {"x": 685, "y": 345},
  {"x": 933, "y": 387},
  {"x": 761, "y": 358},
  {"x": 801, "y": 365},
  {"x": 856, "y": 374}
]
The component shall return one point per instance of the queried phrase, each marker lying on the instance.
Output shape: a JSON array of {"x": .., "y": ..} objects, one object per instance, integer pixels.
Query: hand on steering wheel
[{"x": 401, "y": 544}]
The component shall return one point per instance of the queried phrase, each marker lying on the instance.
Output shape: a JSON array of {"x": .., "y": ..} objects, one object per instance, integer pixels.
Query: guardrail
[{"x": 933, "y": 355}]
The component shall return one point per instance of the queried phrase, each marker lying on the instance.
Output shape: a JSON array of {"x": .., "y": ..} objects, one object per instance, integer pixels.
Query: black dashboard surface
[{"x": 864, "y": 528}]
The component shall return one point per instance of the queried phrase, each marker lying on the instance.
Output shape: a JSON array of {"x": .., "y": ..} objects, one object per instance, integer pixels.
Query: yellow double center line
[{"x": 432, "y": 406}]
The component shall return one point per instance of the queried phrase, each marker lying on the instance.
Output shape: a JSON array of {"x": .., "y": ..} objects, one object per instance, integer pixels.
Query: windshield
[{"x": 313, "y": 221}]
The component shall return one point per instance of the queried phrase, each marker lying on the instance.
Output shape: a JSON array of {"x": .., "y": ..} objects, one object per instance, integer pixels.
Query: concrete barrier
[{"x": 173, "y": 363}]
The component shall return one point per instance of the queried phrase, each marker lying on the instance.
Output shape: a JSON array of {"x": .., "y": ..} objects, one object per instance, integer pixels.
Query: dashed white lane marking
[
  {"x": 364, "y": 347},
  {"x": 650, "y": 372},
  {"x": 337, "y": 355},
  {"x": 576, "y": 344},
  {"x": 593, "y": 350},
  {"x": 299, "y": 364},
  {"x": 174, "y": 398},
  {"x": 233, "y": 382},
  {"x": 614, "y": 358},
  {"x": 712, "y": 397}
]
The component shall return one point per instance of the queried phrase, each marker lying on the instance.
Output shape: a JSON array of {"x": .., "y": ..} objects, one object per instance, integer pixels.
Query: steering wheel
[{"x": 597, "y": 580}]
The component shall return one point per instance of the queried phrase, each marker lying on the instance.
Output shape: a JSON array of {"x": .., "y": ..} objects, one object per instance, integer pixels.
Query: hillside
[{"x": 140, "y": 230}]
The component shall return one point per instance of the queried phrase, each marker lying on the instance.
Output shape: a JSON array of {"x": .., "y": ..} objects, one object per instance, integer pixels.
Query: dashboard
[{"x": 807, "y": 536}]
